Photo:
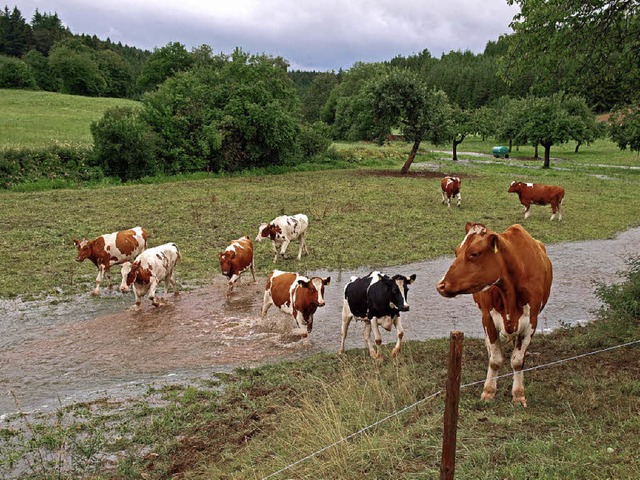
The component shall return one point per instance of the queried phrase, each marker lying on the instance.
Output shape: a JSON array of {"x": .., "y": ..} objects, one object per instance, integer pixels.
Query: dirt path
[{"x": 63, "y": 352}]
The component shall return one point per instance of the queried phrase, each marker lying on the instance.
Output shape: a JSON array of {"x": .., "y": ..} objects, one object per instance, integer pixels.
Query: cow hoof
[
  {"x": 521, "y": 400},
  {"x": 488, "y": 396},
  {"x": 95, "y": 293}
]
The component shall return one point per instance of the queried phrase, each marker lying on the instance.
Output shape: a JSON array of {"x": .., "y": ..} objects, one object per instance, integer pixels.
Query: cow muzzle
[
  {"x": 405, "y": 308},
  {"x": 444, "y": 291}
]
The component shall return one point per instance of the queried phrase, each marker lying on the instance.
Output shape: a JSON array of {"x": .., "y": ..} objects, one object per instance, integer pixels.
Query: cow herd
[{"x": 508, "y": 274}]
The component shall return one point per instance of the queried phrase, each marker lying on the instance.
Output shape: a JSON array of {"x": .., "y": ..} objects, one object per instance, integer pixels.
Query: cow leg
[
  {"x": 444, "y": 198},
  {"x": 107, "y": 272},
  {"x": 267, "y": 301},
  {"x": 496, "y": 359},
  {"x": 231, "y": 282},
  {"x": 553, "y": 210},
  {"x": 367, "y": 339},
  {"x": 152, "y": 291},
  {"x": 275, "y": 249},
  {"x": 283, "y": 249},
  {"x": 138, "y": 298},
  {"x": 346, "y": 320},
  {"x": 448, "y": 201},
  {"x": 378, "y": 337},
  {"x": 174, "y": 285},
  {"x": 303, "y": 246},
  {"x": 400, "y": 334},
  {"x": 101, "y": 271},
  {"x": 521, "y": 343},
  {"x": 253, "y": 272},
  {"x": 560, "y": 210},
  {"x": 527, "y": 211},
  {"x": 459, "y": 199}
]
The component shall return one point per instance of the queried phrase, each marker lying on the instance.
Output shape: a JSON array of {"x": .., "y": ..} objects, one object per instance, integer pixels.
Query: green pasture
[
  {"x": 38, "y": 119},
  {"x": 358, "y": 217}
]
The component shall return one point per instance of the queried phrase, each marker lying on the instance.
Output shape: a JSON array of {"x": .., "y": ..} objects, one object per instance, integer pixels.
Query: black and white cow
[{"x": 377, "y": 299}]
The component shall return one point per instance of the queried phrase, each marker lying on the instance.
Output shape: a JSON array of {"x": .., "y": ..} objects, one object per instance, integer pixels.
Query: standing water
[{"x": 56, "y": 353}]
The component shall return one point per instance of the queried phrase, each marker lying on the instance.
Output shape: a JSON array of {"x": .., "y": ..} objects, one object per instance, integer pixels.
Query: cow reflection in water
[{"x": 377, "y": 299}]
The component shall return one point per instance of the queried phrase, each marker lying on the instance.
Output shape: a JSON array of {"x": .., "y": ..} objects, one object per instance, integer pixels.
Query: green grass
[
  {"x": 38, "y": 119},
  {"x": 356, "y": 218}
]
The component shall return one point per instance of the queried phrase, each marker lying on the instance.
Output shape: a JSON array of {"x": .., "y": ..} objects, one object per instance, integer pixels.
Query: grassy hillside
[{"x": 36, "y": 119}]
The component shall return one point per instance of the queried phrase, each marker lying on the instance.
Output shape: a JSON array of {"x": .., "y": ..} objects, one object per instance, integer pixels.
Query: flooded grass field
[{"x": 57, "y": 352}]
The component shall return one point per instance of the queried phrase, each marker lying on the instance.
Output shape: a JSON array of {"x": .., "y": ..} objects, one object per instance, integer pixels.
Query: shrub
[
  {"x": 314, "y": 139},
  {"x": 124, "y": 145},
  {"x": 15, "y": 73},
  {"x": 58, "y": 164}
]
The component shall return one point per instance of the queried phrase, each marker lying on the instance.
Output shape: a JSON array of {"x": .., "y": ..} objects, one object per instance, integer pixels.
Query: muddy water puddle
[{"x": 55, "y": 353}]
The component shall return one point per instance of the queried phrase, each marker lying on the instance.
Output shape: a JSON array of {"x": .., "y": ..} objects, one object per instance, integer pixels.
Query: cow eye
[{"x": 474, "y": 254}]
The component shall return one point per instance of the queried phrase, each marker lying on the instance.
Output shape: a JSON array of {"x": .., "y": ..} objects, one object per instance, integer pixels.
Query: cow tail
[{"x": 179, "y": 258}]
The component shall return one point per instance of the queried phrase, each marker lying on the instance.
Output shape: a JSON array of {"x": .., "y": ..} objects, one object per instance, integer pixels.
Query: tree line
[{"x": 538, "y": 86}]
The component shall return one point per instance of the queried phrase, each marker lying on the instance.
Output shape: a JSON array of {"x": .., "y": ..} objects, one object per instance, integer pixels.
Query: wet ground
[{"x": 55, "y": 353}]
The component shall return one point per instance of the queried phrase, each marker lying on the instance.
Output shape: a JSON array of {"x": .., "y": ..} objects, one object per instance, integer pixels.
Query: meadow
[
  {"x": 37, "y": 119},
  {"x": 583, "y": 419}
]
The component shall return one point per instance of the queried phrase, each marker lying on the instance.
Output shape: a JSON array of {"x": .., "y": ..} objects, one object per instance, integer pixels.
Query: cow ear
[
  {"x": 467, "y": 227},
  {"x": 493, "y": 238},
  {"x": 412, "y": 278},
  {"x": 302, "y": 283},
  {"x": 326, "y": 281}
]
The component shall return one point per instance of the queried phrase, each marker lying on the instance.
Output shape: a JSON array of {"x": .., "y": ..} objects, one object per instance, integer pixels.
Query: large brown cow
[
  {"x": 111, "y": 249},
  {"x": 236, "y": 259},
  {"x": 296, "y": 295},
  {"x": 539, "y": 194},
  {"x": 450, "y": 187},
  {"x": 509, "y": 276}
]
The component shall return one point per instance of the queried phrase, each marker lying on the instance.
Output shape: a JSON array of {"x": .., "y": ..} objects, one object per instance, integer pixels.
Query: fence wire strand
[{"x": 439, "y": 392}]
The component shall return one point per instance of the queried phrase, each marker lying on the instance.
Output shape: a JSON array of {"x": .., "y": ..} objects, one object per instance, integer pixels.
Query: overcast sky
[{"x": 310, "y": 34}]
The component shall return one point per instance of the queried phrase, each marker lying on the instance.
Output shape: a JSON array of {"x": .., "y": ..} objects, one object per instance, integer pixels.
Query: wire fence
[{"x": 439, "y": 392}]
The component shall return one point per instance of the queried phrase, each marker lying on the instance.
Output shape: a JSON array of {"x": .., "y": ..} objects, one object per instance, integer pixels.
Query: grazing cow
[
  {"x": 111, "y": 249},
  {"x": 540, "y": 195},
  {"x": 151, "y": 267},
  {"x": 509, "y": 276},
  {"x": 296, "y": 295},
  {"x": 236, "y": 259},
  {"x": 377, "y": 300},
  {"x": 282, "y": 230},
  {"x": 450, "y": 187}
]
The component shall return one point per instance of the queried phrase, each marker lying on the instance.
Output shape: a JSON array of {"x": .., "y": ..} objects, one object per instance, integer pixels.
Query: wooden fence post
[{"x": 448, "y": 461}]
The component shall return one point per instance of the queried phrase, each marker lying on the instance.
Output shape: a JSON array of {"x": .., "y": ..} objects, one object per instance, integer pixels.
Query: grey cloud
[{"x": 313, "y": 34}]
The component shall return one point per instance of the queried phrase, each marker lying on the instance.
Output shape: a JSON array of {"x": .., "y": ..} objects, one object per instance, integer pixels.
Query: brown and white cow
[
  {"x": 539, "y": 194},
  {"x": 282, "y": 230},
  {"x": 151, "y": 267},
  {"x": 509, "y": 276},
  {"x": 236, "y": 259},
  {"x": 450, "y": 187},
  {"x": 296, "y": 295},
  {"x": 111, "y": 249}
]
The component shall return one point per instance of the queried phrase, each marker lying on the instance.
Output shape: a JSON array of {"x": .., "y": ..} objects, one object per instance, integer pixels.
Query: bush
[
  {"x": 124, "y": 145},
  {"x": 314, "y": 139},
  {"x": 622, "y": 301},
  {"x": 58, "y": 164},
  {"x": 15, "y": 73}
]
